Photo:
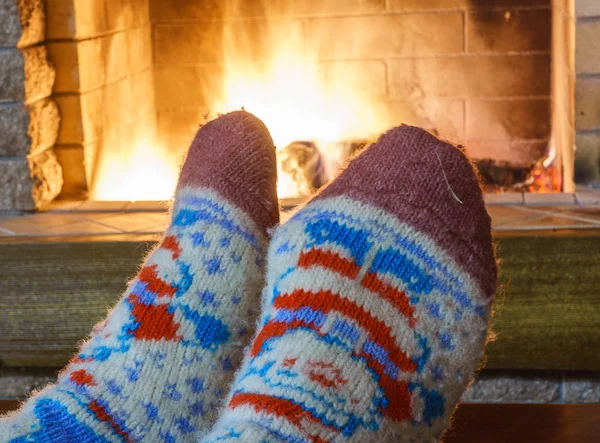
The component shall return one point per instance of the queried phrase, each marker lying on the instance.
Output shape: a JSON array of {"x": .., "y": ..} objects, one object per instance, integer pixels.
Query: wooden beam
[{"x": 53, "y": 290}]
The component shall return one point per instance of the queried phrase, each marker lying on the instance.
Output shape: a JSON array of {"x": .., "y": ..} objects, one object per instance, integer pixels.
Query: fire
[
  {"x": 298, "y": 96},
  {"x": 147, "y": 172}
]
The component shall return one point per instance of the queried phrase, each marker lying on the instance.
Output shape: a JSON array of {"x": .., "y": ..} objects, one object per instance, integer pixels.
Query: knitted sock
[
  {"x": 377, "y": 303},
  {"x": 159, "y": 366}
]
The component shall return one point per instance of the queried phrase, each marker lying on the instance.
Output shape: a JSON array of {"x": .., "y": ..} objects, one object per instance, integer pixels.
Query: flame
[
  {"x": 298, "y": 96},
  {"x": 147, "y": 172}
]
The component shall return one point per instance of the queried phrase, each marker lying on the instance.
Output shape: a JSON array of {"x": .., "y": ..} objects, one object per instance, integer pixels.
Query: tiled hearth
[{"x": 509, "y": 212}]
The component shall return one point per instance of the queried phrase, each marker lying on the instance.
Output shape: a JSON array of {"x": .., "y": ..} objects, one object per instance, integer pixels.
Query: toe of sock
[
  {"x": 432, "y": 186},
  {"x": 234, "y": 155}
]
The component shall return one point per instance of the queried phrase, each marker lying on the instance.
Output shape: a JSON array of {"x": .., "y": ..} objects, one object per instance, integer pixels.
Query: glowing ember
[{"x": 147, "y": 172}]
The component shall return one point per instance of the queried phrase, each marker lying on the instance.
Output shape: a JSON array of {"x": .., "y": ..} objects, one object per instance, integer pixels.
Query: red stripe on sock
[
  {"x": 329, "y": 260},
  {"x": 82, "y": 378},
  {"x": 149, "y": 275},
  {"x": 398, "y": 298},
  {"x": 170, "y": 243},
  {"x": 155, "y": 322},
  {"x": 327, "y": 301},
  {"x": 398, "y": 407},
  {"x": 281, "y": 408},
  {"x": 104, "y": 416}
]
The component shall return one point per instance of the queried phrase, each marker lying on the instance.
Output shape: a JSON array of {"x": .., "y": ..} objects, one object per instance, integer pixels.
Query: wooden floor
[{"x": 513, "y": 423}]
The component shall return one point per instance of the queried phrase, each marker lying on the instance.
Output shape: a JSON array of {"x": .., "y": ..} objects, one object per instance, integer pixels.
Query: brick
[
  {"x": 71, "y": 130},
  {"x": 581, "y": 388},
  {"x": 173, "y": 91},
  {"x": 43, "y": 126},
  {"x": 119, "y": 14},
  {"x": 177, "y": 44},
  {"x": 21, "y": 22},
  {"x": 402, "y": 35},
  {"x": 103, "y": 60},
  {"x": 587, "y": 103},
  {"x": 508, "y": 31},
  {"x": 587, "y": 8},
  {"x": 414, "y": 5},
  {"x": 63, "y": 55},
  {"x": 10, "y": 27},
  {"x": 60, "y": 19},
  {"x": 12, "y": 76},
  {"x": 176, "y": 128},
  {"x": 32, "y": 19},
  {"x": 515, "y": 152},
  {"x": 25, "y": 75},
  {"x": 46, "y": 177},
  {"x": 140, "y": 49},
  {"x": 141, "y": 13},
  {"x": 587, "y": 57},
  {"x": 508, "y": 119},
  {"x": 445, "y": 118},
  {"x": 142, "y": 91},
  {"x": 14, "y": 122},
  {"x": 71, "y": 160},
  {"x": 365, "y": 78},
  {"x": 28, "y": 129},
  {"x": 513, "y": 387},
  {"x": 470, "y": 76},
  {"x": 15, "y": 185},
  {"x": 91, "y": 19},
  {"x": 327, "y": 7},
  {"x": 118, "y": 108},
  {"x": 587, "y": 158},
  {"x": 39, "y": 74}
]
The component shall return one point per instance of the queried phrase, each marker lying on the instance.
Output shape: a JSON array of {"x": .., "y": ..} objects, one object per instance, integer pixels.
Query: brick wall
[
  {"x": 29, "y": 173},
  {"x": 476, "y": 71},
  {"x": 587, "y": 92},
  {"x": 104, "y": 82}
]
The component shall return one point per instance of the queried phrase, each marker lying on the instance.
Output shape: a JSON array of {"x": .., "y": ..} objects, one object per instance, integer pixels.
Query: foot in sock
[
  {"x": 377, "y": 303},
  {"x": 158, "y": 368}
]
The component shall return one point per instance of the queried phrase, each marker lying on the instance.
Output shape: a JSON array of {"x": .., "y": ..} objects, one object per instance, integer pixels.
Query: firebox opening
[{"x": 325, "y": 77}]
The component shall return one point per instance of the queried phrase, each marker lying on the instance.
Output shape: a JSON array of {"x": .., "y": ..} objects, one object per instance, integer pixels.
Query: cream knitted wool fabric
[
  {"x": 377, "y": 303},
  {"x": 158, "y": 368}
]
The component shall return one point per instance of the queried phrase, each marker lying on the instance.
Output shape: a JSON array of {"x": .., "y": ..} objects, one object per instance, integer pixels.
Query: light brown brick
[
  {"x": 141, "y": 13},
  {"x": 443, "y": 117},
  {"x": 587, "y": 158},
  {"x": 402, "y": 35},
  {"x": 71, "y": 130},
  {"x": 91, "y": 19},
  {"x": 103, "y": 60},
  {"x": 60, "y": 19},
  {"x": 367, "y": 78},
  {"x": 32, "y": 20},
  {"x": 186, "y": 86},
  {"x": 44, "y": 122},
  {"x": 587, "y": 103},
  {"x": 176, "y": 128},
  {"x": 142, "y": 91},
  {"x": 63, "y": 55},
  {"x": 587, "y": 8},
  {"x": 470, "y": 76},
  {"x": 115, "y": 56},
  {"x": 119, "y": 14},
  {"x": 508, "y": 119},
  {"x": 515, "y": 152},
  {"x": 508, "y": 30},
  {"x": 39, "y": 73},
  {"x": 70, "y": 158},
  {"x": 328, "y": 7},
  {"x": 587, "y": 56},
  {"x": 415, "y": 5},
  {"x": 93, "y": 106},
  {"x": 140, "y": 49}
]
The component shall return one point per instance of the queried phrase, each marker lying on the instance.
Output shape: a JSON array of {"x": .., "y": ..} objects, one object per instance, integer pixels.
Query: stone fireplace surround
[{"x": 117, "y": 71}]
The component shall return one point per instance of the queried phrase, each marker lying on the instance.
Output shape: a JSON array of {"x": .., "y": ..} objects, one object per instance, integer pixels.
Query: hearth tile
[
  {"x": 534, "y": 199},
  {"x": 98, "y": 205},
  {"x": 504, "y": 198},
  {"x": 149, "y": 206},
  {"x": 62, "y": 206},
  {"x": 502, "y": 215},
  {"x": 554, "y": 221},
  {"x": 590, "y": 214},
  {"x": 128, "y": 222},
  {"x": 33, "y": 223}
]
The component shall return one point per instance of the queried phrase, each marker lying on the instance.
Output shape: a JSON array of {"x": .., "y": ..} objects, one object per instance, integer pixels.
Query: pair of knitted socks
[{"x": 372, "y": 322}]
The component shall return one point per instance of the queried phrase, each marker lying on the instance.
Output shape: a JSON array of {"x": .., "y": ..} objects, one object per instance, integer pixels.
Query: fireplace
[{"x": 132, "y": 79}]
